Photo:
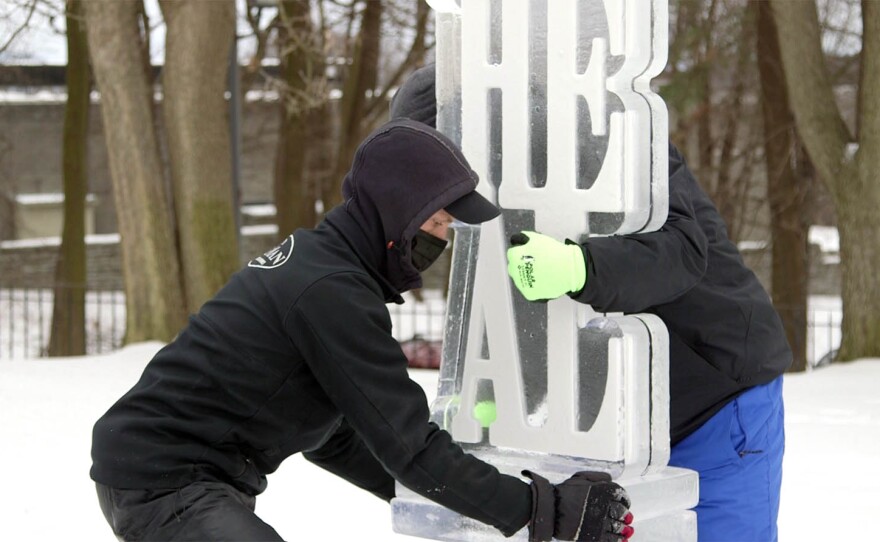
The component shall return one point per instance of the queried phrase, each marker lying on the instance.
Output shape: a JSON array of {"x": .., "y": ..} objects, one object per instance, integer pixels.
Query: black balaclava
[
  {"x": 401, "y": 175},
  {"x": 426, "y": 249}
]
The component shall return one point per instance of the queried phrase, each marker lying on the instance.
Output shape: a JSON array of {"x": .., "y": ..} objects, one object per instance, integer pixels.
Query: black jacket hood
[{"x": 403, "y": 173}]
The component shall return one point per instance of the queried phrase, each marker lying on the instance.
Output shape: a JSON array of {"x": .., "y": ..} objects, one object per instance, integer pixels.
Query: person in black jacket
[
  {"x": 295, "y": 354},
  {"x": 727, "y": 345}
]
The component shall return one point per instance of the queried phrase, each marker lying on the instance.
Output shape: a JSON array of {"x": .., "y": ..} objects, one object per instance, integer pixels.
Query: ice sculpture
[{"x": 550, "y": 101}]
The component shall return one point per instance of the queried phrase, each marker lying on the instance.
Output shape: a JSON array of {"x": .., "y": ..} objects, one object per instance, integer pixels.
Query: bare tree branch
[
  {"x": 415, "y": 55},
  {"x": 22, "y": 27}
]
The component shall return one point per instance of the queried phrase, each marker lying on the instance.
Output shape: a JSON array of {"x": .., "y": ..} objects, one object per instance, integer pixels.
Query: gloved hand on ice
[
  {"x": 588, "y": 506},
  {"x": 543, "y": 268}
]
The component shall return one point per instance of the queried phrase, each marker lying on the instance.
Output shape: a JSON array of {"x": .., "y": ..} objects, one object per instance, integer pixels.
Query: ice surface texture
[{"x": 550, "y": 101}]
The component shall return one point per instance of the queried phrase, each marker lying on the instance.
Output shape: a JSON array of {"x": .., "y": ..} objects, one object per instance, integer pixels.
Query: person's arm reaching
[
  {"x": 345, "y": 455},
  {"x": 343, "y": 329},
  {"x": 626, "y": 273}
]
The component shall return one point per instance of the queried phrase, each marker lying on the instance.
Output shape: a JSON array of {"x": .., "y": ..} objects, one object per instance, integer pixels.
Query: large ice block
[
  {"x": 550, "y": 101},
  {"x": 660, "y": 505}
]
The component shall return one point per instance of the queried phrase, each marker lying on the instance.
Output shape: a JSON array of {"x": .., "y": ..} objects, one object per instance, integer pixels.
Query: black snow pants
[{"x": 201, "y": 511}]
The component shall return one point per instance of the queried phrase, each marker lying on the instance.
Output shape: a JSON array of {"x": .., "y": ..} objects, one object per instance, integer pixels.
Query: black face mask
[{"x": 426, "y": 249}]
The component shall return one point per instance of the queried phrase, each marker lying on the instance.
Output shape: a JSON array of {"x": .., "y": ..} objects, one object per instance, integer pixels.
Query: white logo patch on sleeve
[{"x": 275, "y": 257}]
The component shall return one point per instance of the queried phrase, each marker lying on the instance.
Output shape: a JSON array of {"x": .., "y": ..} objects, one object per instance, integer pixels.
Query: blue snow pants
[{"x": 738, "y": 454}]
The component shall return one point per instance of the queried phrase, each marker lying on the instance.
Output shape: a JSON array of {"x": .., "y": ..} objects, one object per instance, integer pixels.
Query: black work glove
[{"x": 587, "y": 506}]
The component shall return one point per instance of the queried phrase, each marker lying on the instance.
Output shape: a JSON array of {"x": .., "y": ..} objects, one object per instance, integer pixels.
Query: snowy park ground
[{"x": 831, "y": 480}]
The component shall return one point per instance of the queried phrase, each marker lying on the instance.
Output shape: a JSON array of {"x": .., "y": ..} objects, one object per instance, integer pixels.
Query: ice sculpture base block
[
  {"x": 425, "y": 519},
  {"x": 661, "y": 503}
]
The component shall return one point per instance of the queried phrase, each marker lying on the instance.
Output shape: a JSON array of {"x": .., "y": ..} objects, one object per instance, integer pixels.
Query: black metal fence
[
  {"x": 418, "y": 326},
  {"x": 26, "y": 321},
  {"x": 823, "y": 333},
  {"x": 26, "y": 324}
]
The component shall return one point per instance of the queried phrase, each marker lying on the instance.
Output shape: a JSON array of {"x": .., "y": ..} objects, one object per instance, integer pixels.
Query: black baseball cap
[{"x": 472, "y": 208}]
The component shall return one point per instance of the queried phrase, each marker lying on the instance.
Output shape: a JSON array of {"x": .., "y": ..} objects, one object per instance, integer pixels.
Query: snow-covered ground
[{"x": 831, "y": 487}]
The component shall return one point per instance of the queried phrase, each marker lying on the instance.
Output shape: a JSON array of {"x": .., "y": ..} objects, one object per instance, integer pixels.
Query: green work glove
[{"x": 543, "y": 268}]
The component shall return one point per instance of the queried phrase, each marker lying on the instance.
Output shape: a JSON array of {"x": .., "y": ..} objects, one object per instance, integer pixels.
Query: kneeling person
[{"x": 295, "y": 354}]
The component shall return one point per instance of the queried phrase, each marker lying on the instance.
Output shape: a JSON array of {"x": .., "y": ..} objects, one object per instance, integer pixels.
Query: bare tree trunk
[
  {"x": 859, "y": 224},
  {"x": 679, "y": 46},
  {"x": 302, "y": 68},
  {"x": 851, "y": 175},
  {"x": 7, "y": 207},
  {"x": 154, "y": 298},
  {"x": 68, "y": 337},
  {"x": 787, "y": 194},
  {"x": 362, "y": 77},
  {"x": 378, "y": 106},
  {"x": 728, "y": 189},
  {"x": 704, "y": 126},
  {"x": 198, "y": 41},
  {"x": 7, "y": 190}
]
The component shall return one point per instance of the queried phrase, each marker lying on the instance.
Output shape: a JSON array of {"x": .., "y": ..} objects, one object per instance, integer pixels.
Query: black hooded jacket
[
  {"x": 724, "y": 334},
  {"x": 295, "y": 354}
]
